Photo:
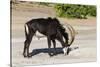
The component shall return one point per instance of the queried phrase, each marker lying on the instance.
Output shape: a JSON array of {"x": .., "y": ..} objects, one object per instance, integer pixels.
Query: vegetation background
[{"x": 67, "y": 10}]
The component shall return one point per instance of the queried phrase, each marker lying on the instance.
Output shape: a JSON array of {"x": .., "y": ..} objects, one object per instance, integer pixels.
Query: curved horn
[{"x": 72, "y": 32}]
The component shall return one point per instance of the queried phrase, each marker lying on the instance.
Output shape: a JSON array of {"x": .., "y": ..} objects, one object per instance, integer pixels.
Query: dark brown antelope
[{"x": 52, "y": 29}]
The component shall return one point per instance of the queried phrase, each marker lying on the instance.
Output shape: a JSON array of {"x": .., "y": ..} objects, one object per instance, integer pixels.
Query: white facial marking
[{"x": 65, "y": 50}]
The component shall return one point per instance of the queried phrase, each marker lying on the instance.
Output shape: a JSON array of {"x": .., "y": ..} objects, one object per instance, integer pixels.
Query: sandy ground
[{"x": 85, "y": 40}]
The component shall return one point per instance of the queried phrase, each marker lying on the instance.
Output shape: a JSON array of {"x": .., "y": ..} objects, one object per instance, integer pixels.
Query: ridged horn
[{"x": 72, "y": 33}]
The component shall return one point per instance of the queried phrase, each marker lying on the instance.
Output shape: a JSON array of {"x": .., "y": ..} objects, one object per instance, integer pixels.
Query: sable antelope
[{"x": 52, "y": 29}]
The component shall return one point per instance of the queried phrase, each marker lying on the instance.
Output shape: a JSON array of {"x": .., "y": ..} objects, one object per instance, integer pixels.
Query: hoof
[
  {"x": 29, "y": 56},
  {"x": 55, "y": 54},
  {"x": 50, "y": 55},
  {"x": 24, "y": 55}
]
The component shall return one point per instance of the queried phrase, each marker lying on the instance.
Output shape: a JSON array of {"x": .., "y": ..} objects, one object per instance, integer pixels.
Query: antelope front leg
[
  {"x": 54, "y": 44},
  {"x": 49, "y": 46}
]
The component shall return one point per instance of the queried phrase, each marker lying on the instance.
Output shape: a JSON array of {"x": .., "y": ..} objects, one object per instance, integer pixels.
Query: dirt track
[{"x": 85, "y": 41}]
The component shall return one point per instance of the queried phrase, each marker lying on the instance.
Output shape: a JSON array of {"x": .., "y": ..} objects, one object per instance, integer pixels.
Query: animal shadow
[{"x": 46, "y": 50}]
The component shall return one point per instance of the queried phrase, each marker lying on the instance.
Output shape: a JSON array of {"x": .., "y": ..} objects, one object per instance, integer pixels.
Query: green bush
[
  {"x": 74, "y": 11},
  {"x": 43, "y": 3}
]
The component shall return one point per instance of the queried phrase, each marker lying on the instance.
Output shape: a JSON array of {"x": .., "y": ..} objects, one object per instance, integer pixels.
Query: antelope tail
[{"x": 26, "y": 30}]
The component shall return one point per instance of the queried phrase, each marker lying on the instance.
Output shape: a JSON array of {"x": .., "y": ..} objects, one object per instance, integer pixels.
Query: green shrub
[
  {"x": 43, "y": 3},
  {"x": 74, "y": 11}
]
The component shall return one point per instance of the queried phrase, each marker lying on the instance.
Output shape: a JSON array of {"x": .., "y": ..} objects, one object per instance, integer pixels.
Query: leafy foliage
[{"x": 74, "y": 11}]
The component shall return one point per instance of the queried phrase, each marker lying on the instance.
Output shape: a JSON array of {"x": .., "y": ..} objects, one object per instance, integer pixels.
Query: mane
[
  {"x": 57, "y": 22},
  {"x": 60, "y": 26}
]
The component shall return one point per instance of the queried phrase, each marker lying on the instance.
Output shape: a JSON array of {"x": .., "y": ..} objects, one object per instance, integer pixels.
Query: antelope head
[{"x": 71, "y": 40}]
